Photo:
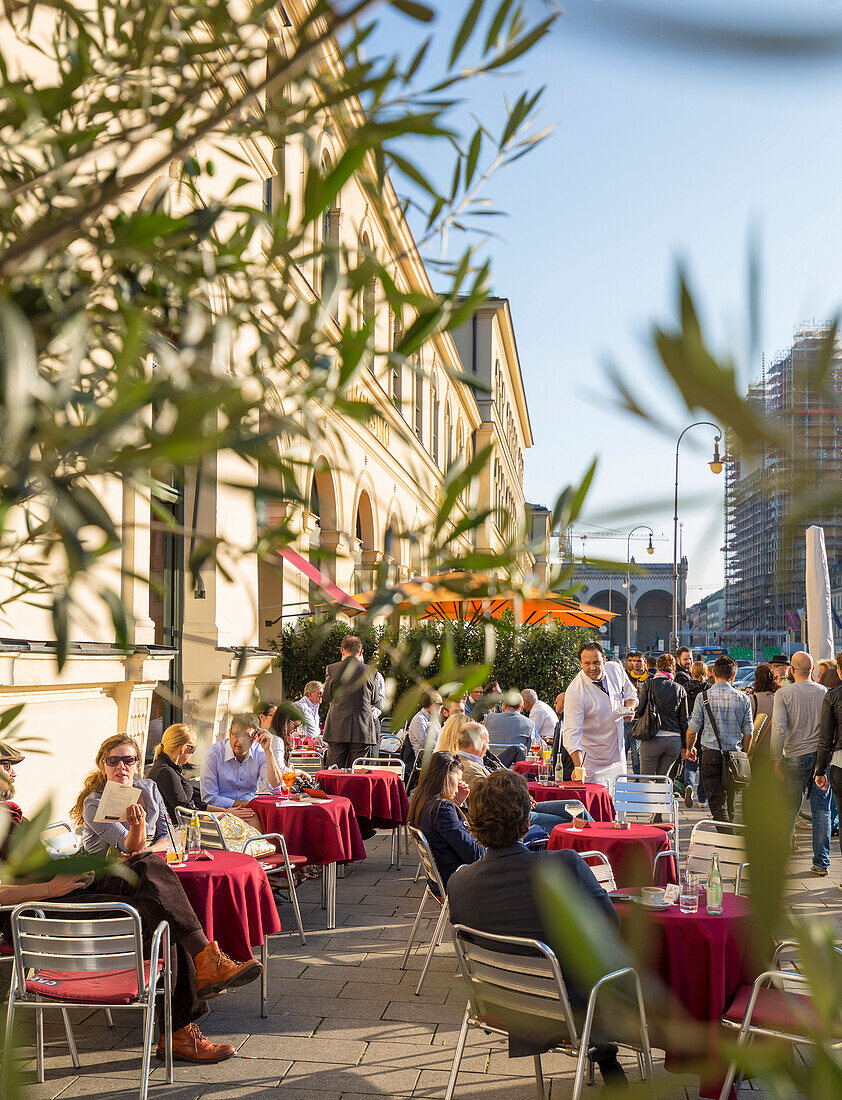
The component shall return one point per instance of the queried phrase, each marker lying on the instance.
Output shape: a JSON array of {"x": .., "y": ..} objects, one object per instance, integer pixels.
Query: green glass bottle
[{"x": 714, "y": 887}]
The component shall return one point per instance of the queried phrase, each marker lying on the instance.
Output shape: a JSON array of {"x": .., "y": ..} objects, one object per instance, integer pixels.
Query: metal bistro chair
[
  {"x": 61, "y": 839},
  {"x": 774, "y": 1008},
  {"x": 603, "y": 872},
  {"x": 725, "y": 838},
  {"x": 306, "y": 761},
  {"x": 392, "y": 764},
  {"x": 513, "y": 976},
  {"x": 89, "y": 955},
  {"x": 434, "y": 889},
  {"x": 281, "y": 866},
  {"x": 641, "y": 796}
]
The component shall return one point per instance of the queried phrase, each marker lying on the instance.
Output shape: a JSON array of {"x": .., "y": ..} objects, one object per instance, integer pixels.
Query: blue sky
[{"x": 660, "y": 154}]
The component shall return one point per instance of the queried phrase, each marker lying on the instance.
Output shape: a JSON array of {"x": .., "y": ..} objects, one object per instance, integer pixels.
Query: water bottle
[
  {"x": 194, "y": 837},
  {"x": 714, "y": 888},
  {"x": 559, "y": 770}
]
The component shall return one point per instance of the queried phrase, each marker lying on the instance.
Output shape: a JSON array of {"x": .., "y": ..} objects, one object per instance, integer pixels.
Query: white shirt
[
  {"x": 545, "y": 719},
  {"x": 419, "y": 731},
  {"x": 591, "y": 724},
  {"x": 310, "y": 711}
]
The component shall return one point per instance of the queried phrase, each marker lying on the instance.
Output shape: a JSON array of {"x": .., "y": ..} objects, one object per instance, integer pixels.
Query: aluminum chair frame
[
  {"x": 52, "y": 935},
  {"x": 603, "y": 872},
  {"x": 307, "y": 761},
  {"x": 745, "y": 1029},
  {"x": 731, "y": 868},
  {"x": 427, "y": 861},
  {"x": 217, "y": 840},
  {"x": 535, "y": 977},
  {"x": 388, "y": 763},
  {"x": 61, "y": 825},
  {"x": 644, "y": 799}
]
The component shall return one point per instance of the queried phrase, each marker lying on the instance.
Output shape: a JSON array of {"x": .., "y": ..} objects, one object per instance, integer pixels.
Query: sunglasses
[
  {"x": 114, "y": 761},
  {"x": 7, "y": 763},
  {"x": 189, "y": 748}
]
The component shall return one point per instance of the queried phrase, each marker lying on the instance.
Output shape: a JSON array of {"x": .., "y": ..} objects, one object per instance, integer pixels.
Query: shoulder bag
[
  {"x": 736, "y": 761},
  {"x": 648, "y": 725}
]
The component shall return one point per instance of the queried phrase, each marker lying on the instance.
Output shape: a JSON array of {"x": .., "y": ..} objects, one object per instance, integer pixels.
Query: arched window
[
  {"x": 327, "y": 234},
  {"x": 448, "y": 436},
  {"x": 418, "y": 419},
  {"x": 369, "y": 303},
  {"x": 434, "y": 414}
]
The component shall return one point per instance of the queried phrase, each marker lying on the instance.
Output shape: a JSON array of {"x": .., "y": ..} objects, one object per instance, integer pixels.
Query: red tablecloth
[
  {"x": 702, "y": 959},
  {"x": 232, "y": 899},
  {"x": 594, "y": 797},
  {"x": 323, "y": 831},
  {"x": 631, "y": 852},
  {"x": 377, "y": 795},
  {"x": 530, "y": 765}
]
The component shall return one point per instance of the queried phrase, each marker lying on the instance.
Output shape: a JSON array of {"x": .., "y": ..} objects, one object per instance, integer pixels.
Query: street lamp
[
  {"x": 716, "y": 465},
  {"x": 650, "y": 549}
]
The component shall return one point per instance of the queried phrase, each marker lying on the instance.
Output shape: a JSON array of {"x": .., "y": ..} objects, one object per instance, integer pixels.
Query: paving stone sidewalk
[{"x": 344, "y": 1021}]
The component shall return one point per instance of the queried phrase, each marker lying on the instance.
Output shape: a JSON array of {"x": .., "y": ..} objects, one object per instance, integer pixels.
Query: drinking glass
[
  {"x": 688, "y": 896},
  {"x": 288, "y": 778}
]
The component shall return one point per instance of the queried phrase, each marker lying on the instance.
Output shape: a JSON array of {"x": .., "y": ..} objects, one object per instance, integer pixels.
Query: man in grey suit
[
  {"x": 510, "y": 734},
  {"x": 350, "y": 694}
]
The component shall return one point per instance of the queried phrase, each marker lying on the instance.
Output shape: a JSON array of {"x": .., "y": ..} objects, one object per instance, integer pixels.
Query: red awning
[{"x": 320, "y": 580}]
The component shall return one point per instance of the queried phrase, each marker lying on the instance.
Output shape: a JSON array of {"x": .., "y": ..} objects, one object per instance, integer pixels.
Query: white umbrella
[{"x": 819, "y": 624}]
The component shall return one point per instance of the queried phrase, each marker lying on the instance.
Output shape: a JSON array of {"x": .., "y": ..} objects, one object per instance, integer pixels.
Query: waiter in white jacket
[{"x": 593, "y": 719}]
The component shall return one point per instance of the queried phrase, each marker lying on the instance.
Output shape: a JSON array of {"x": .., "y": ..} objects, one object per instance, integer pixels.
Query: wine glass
[{"x": 288, "y": 778}]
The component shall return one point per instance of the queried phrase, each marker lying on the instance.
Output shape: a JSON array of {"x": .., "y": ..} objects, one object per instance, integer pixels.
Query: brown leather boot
[
  {"x": 190, "y": 1045},
  {"x": 215, "y": 972}
]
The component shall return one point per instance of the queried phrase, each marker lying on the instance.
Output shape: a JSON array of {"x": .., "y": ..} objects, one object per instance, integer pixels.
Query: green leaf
[
  {"x": 420, "y": 12},
  {"x": 465, "y": 31}
]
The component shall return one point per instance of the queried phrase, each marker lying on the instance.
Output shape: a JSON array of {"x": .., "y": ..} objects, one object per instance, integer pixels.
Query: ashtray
[{"x": 622, "y": 824}]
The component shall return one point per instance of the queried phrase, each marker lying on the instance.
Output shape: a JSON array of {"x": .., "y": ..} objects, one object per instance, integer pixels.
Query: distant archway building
[{"x": 651, "y": 600}]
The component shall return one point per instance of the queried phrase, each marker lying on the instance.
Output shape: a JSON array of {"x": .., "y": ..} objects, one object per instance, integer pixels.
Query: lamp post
[
  {"x": 716, "y": 465},
  {"x": 650, "y": 549}
]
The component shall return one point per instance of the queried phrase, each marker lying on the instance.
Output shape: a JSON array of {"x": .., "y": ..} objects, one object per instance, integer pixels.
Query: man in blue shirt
[
  {"x": 235, "y": 768},
  {"x": 732, "y": 713}
]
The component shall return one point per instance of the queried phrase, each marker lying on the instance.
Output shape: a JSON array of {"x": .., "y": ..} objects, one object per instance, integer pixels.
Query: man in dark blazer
[
  {"x": 350, "y": 694},
  {"x": 496, "y": 895}
]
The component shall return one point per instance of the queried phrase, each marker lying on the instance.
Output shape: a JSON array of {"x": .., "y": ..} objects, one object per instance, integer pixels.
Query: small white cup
[{"x": 652, "y": 895}]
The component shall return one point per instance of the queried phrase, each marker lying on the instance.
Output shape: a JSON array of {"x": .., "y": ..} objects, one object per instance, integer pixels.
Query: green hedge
[{"x": 536, "y": 657}]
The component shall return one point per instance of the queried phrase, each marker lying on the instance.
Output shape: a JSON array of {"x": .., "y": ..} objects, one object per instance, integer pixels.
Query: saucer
[{"x": 654, "y": 905}]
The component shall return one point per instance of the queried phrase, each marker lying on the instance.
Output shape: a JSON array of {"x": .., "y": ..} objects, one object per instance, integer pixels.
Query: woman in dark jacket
[
  {"x": 659, "y": 754},
  {"x": 436, "y": 809},
  {"x": 177, "y": 746}
]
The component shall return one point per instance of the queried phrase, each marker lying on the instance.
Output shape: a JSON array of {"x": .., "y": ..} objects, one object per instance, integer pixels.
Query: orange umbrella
[{"x": 475, "y": 597}]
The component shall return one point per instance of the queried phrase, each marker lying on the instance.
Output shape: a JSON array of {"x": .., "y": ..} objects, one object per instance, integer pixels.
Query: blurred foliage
[{"x": 150, "y": 315}]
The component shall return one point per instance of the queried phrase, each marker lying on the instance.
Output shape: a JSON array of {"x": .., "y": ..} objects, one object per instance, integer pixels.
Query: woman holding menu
[{"x": 145, "y": 823}]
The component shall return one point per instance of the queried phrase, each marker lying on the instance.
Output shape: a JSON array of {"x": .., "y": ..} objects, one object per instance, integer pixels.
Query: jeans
[
  {"x": 692, "y": 778},
  {"x": 633, "y": 747},
  {"x": 798, "y": 778},
  {"x": 658, "y": 755},
  {"x": 550, "y": 814}
]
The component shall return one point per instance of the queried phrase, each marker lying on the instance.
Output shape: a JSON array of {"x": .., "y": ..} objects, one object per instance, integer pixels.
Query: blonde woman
[
  {"x": 449, "y": 736},
  {"x": 175, "y": 750}
]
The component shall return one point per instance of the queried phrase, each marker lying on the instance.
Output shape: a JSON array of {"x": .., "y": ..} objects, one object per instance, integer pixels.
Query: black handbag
[
  {"x": 736, "y": 762},
  {"x": 648, "y": 725}
]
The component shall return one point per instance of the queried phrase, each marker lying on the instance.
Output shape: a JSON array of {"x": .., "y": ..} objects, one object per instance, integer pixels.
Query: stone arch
[
  {"x": 612, "y": 599},
  {"x": 652, "y": 613}
]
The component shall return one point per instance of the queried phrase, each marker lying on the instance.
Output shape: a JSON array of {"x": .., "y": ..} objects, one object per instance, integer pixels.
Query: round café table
[
  {"x": 593, "y": 796},
  {"x": 377, "y": 795},
  {"x": 532, "y": 764},
  {"x": 323, "y": 830},
  {"x": 702, "y": 960},
  {"x": 631, "y": 852},
  {"x": 233, "y": 900}
]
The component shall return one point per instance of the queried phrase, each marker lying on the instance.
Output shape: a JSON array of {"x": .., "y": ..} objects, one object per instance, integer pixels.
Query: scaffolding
[{"x": 772, "y": 494}]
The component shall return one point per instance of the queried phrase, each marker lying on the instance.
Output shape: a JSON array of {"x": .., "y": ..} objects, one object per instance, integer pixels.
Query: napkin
[{"x": 313, "y": 793}]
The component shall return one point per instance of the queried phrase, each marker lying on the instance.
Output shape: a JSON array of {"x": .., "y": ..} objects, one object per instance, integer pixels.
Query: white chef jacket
[{"x": 591, "y": 724}]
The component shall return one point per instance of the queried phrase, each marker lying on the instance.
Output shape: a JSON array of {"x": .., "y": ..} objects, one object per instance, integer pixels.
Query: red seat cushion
[
  {"x": 6, "y": 950},
  {"x": 776, "y": 1010},
  {"x": 113, "y": 987},
  {"x": 667, "y": 826},
  {"x": 275, "y": 862}
]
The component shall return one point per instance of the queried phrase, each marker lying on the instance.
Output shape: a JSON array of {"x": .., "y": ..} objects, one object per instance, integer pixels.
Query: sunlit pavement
[{"x": 343, "y": 1019}]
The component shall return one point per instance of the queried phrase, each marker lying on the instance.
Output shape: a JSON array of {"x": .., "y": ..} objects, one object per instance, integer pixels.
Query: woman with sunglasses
[
  {"x": 175, "y": 750},
  {"x": 200, "y": 969}
]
